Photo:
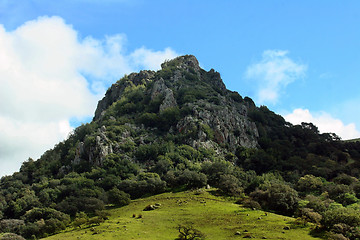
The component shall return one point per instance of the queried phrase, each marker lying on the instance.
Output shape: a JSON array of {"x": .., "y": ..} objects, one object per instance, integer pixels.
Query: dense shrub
[
  {"x": 348, "y": 216},
  {"x": 278, "y": 197},
  {"x": 215, "y": 170},
  {"x": 117, "y": 197},
  {"x": 146, "y": 183},
  {"x": 80, "y": 219},
  {"x": 11, "y": 236},
  {"x": 72, "y": 205},
  {"x": 11, "y": 225},
  {"x": 40, "y": 221},
  {"x": 309, "y": 184},
  {"x": 121, "y": 167},
  {"x": 230, "y": 185},
  {"x": 250, "y": 203},
  {"x": 310, "y": 215},
  {"x": 282, "y": 198},
  {"x": 192, "y": 179},
  {"x": 341, "y": 193}
]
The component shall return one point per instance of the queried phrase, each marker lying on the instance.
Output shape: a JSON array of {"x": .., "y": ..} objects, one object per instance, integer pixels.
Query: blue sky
[{"x": 300, "y": 58}]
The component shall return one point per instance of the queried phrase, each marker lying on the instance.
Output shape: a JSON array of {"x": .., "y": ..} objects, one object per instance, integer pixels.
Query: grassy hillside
[{"x": 215, "y": 217}]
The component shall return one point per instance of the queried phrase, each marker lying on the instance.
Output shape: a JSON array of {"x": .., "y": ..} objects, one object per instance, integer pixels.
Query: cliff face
[
  {"x": 210, "y": 116},
  {"x": 115, "y": 92}
]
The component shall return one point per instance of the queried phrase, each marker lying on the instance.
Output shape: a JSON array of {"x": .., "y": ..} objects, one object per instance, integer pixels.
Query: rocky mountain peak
[
  {"x": 180, "y": 99},
  {"x": 183, "y": 62}
]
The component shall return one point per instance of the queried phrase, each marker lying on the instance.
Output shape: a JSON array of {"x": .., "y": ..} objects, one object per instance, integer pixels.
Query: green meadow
[{"x": 216, "y": 217}]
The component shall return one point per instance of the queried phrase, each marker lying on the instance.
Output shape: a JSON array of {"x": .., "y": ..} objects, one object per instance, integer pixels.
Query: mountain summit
[
  {"x": 180, "y": 99},
  {"x": 180, "y": 128}
]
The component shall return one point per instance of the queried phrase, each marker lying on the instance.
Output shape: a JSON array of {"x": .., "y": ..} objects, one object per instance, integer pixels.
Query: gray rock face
[
  {"x": 97, "y": 152},
  {"x": 228, "y": 124},
  {"x": 80, "y": 151},
  {"x": 102, "y": 148},
  {"x": 160, "y": 88},
  {"x": 115, "y": 92},
  {"x": 183, "y": 62},
  {"x": 221, "y": 124}
]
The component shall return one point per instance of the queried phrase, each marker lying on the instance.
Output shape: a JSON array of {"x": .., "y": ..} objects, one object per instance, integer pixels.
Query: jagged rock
[
  {"x": 102, "y": 148},
  {"x": 230, "y": 125},
  {"x": 80, "y": 150},
  {"x": 216, "y": 81},
  {"x": 222, "y": 125},
  {"x": 160, "y": 88},
  {"x": 184, "y": 62},
  {"x": 115, "y": 92},
  {"x": 169, "y": 100}
]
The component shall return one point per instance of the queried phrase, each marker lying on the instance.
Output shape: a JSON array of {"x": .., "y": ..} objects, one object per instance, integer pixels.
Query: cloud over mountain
[
  {"x": 49, "y": 75},
  {"x": 273, "y": 73},
  {"x": 325, "y": 123}
]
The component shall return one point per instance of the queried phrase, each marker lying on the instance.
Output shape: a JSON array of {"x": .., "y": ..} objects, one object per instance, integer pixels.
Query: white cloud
[
  {"x": 48, "y": 75},
  {"x": 325, "y": 123},
  {"x": 273, "y": 73},
  {"x": 151, "y": 59}
]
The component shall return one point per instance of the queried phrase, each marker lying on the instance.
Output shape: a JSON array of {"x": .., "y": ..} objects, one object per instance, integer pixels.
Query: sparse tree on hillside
[{"x": 189, "y": 233}]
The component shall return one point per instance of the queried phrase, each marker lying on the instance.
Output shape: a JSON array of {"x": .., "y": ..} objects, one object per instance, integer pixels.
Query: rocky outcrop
[
  {"x": 218, "y": 118},
  {"x": 161, "y": 89},
  {"x": 96, "y": 152},
  {"x": 183, "y": 63},
  {"x": 115, "y": 92},
  {"x": 80, "y": 151},
  {"x": 102, "y": 148},
  {"x": 228, "y": 125}
]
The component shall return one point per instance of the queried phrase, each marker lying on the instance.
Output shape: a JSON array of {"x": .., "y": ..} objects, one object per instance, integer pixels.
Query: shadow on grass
[
  {"x": 315, "y": 231},
  {"x": 216, "y": 192},
  {"x": 319, "y": 233}
]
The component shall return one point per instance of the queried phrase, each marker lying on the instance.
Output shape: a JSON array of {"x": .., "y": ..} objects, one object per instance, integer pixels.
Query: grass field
[{"x": 214, "y": 216}]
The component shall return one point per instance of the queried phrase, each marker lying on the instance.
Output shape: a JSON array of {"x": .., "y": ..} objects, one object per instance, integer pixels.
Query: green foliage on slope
[
  {"x": 179, "y": 129},
  {"x": 214, "y": 217}
]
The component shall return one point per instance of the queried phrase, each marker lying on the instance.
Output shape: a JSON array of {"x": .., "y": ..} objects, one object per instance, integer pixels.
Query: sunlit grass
[{"x": 214, "y": 216}]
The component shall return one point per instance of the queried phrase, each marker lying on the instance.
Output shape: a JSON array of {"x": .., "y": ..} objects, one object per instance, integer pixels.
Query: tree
[
  {"x": 45, "y": 213},
  {"x": 80, "y": 219},
  {"x": 189, "y": 233},
  {"x": 117, "y": 197},
  {"x": 11, "y": 225},
  {"x": 279, "y": 197},
  {"x": 230, "y": 185},
  {"x": 348, "y": 216},
  {"x": 309, "y": 184},
  {"x": 215, "y": 170},
  {"x": 192, "y": 179},
  {"x": 260, "y": 161},
  {"x": 11, "y": 236},
  {"x": 282, "y": 198},
  {"x": 72, "y": 205}
]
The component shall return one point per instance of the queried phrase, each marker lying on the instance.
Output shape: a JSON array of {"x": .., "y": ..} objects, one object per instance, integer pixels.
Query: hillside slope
[{"x": 216, "y": 217}]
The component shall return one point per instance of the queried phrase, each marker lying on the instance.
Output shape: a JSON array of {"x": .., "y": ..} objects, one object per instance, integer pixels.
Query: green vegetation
[
  {"x": 160, "y": 133},
  {"x": 214, "y": 217}
]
